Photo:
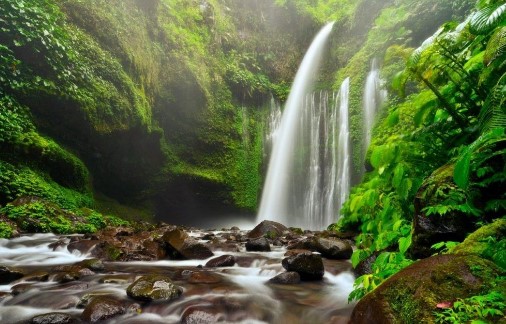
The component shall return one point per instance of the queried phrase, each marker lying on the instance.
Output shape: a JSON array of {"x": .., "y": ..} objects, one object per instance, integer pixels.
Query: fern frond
[
  {"x": 486, "y": 19},
  {"x": 493, "y": 113},
  {"x": 496, "y": 47}
]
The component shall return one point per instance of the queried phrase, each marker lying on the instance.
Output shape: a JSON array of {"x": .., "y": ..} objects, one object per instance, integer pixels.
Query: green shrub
[{"x": 5, "y": 230}]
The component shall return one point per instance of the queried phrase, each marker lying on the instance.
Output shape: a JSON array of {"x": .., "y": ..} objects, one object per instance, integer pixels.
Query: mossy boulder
[
  {"x": 429, "y": 230},
  {"x": 154, "y": 287},
  {"x": 488, "y": 242},
  {"x": 412, "y": 294}
]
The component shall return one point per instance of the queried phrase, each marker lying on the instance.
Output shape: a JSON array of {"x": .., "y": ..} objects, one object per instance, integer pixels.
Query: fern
[
  {"x": 496, "y": 47},
  {"x": 488, "y": 18},
  {"x": 493, "y": 114}
]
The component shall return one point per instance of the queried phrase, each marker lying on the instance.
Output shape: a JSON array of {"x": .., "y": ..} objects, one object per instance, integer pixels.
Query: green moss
[{"x": 6, "y": 230}]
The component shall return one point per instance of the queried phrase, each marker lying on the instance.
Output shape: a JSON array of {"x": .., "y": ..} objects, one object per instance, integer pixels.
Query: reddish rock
[
  {"x": 204, "y": 277},
  {"x": 221, "y": 261},
  {"x": 286, "y": 278}
]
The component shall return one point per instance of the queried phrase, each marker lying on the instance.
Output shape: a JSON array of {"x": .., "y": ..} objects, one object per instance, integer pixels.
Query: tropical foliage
[{"x": 453, "y": 115}]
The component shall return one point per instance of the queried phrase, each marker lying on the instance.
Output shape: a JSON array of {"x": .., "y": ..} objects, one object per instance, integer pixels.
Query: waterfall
[
  {"x": 344, "y": 163},
  {"x": 271, "y": 128},
  {"x": 373, "y": 99},
  {"x": 279, "y": 182}
]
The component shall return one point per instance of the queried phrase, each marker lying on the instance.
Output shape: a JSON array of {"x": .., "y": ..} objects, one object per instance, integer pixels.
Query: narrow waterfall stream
[{"x": 374, "y": 97}]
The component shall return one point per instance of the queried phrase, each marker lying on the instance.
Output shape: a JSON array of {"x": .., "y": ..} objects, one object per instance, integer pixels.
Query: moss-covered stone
[
  {"x": 154, "y": 287},
  {"x": 412, "y": 294}
]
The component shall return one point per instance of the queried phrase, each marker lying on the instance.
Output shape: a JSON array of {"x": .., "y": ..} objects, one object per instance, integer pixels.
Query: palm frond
[{"x": 486, "y": 19}]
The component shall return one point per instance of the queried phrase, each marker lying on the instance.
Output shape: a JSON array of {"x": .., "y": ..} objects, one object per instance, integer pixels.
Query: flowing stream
[{"x": 240, "y": 295}]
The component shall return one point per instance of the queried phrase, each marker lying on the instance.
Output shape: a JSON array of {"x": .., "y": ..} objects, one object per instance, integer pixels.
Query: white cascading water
[
  {"x": 303, "y": 186},
  {"x": 374, "y": 97},
  {"x": 274, "y": 203},
  {"x": 344, "y": 162}
]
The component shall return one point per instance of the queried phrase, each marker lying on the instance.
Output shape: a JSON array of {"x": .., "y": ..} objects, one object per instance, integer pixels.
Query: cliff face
[{"x": 159, "y": 103}]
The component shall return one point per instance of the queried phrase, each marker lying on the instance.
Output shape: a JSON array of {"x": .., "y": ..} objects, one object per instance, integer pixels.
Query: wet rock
[
  {"x": 208, "y": 236},
  {"x": 58, "y": 244},
  {"x": 102, "y": 308},
  {"x": 20, "y": 288},
  {"x": 309, "y": 266},
  {"x": 200, "y": 314},
  {"x": 411, "y": 295},
  {"x": 82, "y": 246},
  {"x": 53, "y": 318},
  {"x": 37, "y": 276},
  {"x": 295, "y": 252},
  {"x": 154, "y": 249},
  {"x": 154, "y": 287},
  {"x": 4, "y": 294},
  {"x": 192, "y": 249},
  {"x": 365, "y": 266},
  {"x": 268, "y": 229},
  {"x": 180, "y": 245},
  {"x": 116, "y": 279},
  {"x": 92, "y": 264},
  {"x": 175, "y": 238},
  {"x": 329, "y": 248},
  {"x": 286, "y": 278},
  {"x": 224, "y": 247},
  {"x": 8, "y": 275},
  {"x": 235, "y": 229},
  {"x": 221, "y": 261},
  {"x": 65, "y": 277},
  {"x": 258, "y": 245},
  {"x": 429, "y": 230},
  {"x": 204, "y": 277}
]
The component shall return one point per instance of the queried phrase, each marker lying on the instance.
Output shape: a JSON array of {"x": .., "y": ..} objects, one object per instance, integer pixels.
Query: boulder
[
  {"x": 429, "y": 230},
  {"x": 335, "y": 249},
  {"x": 192, "y": 249},
  {"x": 8, "y": 275},
  {"x": 196, "y": 314},
  {"x": 258, "y": 245},
  {"x": 175, "y": 238},
  {"x": 82, "y": 246},
  {"x": 221, "y": 261},
  {"x": 204, "y": 277},
  {"x": 154, "y": 287},
  {"x": 309, "y": 266},
  {"x": 286, "y": 278},
  {"x": 53, "y": 318},
  {"x": 411, "y": 295},
  {"x": 92, "y": 264},
  {"x": 181, "y": 245},
  {"x": 269, "y": 229},
  {"x": 365, "y": 266},
  {"x": 102, "y": 308}
]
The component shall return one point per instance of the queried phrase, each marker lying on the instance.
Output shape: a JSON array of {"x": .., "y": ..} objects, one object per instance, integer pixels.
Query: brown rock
[
  {"x": 221, "y": 261},
  {"x": 411, "y": 295},
  {"x": 8, "y": 275},
  {"x": 309, "y": 266},
  {"x": 204, "y": 277},
  {"x": 102, "y": 308},
  {"x": 268, "y": 228}
]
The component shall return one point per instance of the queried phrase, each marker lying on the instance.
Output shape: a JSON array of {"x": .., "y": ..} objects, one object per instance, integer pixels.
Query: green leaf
[
  {"x": 462, "y": 169},
  {"x": 404, "y": 244}
]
